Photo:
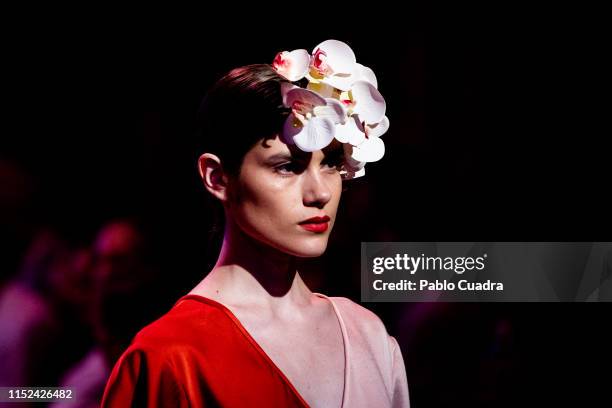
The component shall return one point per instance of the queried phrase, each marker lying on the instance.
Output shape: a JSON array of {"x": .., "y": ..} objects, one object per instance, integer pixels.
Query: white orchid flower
[
  {"x": 313, "y": 119},
  {"x": 367, "y": 102},
  {"x": 372, "y": 148},
  {"x": 292, "y": 65},
  {"x": 366, "y": 124},
  {"x": 341, "y": 101},
  {"x": 363, "y": 138},
  {"x": 333, "y": 63}
]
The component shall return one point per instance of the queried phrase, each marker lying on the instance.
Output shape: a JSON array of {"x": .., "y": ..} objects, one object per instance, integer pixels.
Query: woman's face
[{"x": 287, "y": 198}]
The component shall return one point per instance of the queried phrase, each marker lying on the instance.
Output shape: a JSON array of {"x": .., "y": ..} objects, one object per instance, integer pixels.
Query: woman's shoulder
[
  {"x": 368, "y": 335},
  {"x": 188, "y": 319},
  {"x": 359, "y": 318},
  {"x": 355, "y": 309}
]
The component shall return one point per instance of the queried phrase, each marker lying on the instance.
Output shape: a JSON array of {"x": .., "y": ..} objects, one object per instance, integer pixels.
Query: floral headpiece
[{"x": 341, "y": 101}]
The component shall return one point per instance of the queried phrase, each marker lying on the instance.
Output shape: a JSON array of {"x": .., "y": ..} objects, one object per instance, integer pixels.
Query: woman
[{"x": 251, "y": 333}]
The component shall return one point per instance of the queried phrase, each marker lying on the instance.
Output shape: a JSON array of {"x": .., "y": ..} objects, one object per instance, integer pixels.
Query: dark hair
[{"x": 241, "y": 108}]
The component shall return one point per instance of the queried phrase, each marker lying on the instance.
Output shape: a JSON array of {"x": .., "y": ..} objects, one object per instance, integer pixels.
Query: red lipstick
[{"x": 316, "y": 224}]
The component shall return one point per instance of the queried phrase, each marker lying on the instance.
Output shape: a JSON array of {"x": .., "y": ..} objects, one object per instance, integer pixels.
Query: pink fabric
[{"x": 375, "y": 375}]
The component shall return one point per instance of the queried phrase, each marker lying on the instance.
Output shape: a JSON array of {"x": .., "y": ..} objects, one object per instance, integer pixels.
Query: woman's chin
[{"x": 308, "y": 248}]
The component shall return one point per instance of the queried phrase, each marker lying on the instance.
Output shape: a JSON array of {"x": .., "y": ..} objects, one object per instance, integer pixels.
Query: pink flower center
[
  {"x": 301, "y": 108},
  {"x": 279, "y": 62},
  {"x": 319, "y": 63}
]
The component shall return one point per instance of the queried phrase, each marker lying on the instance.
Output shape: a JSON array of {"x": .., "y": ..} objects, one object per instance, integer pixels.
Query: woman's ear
[{"x": 213, "y": 176}]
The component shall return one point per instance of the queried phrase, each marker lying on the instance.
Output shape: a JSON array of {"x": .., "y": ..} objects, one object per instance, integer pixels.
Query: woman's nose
[{"x": 316, "y": 190}]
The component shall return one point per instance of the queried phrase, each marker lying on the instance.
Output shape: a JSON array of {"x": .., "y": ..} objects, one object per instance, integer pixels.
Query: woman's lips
[
  {"x": 316, "y": 224},
  {"x": 320, "y": 227}
]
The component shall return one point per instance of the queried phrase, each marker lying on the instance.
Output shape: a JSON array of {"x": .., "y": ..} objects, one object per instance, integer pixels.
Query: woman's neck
[{"x": 249, "y": 272}]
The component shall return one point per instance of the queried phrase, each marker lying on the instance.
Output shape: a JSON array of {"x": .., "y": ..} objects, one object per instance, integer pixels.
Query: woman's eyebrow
[{"x": 279, "y": 156}]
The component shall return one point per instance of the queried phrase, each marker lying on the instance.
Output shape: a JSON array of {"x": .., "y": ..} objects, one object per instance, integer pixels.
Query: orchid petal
[
  {"x": 359, "y": 173},
  {"x": 341, "y": 81},
  {"x": 369, "y": 103},
  {"x": 349, "y": 161},
  {"x": 291, "y": 128},
  {"x": 316, "y": 134},
  {"x": 333, "y": 110},
  {"x": 351, "y": 132},
  {"x": 285, "y": 88},
  {"x": 378, "y": 129},
  {"x": 366, "y": 74},
  {"x": 352, "y": 168},
  {"x": 338, "y": 56},
  {"x": 302, "y": 95},
  {"x": 292, "y": 65},
  {"x": 371, "y": 150},
  {"x": 299, "y": 62}
]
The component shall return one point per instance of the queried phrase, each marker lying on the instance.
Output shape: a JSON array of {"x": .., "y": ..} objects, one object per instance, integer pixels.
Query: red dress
[{"x": 198, "y": 355}]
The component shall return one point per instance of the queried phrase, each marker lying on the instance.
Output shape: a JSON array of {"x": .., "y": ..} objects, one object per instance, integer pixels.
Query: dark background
[{"x": 493, "y": 137}]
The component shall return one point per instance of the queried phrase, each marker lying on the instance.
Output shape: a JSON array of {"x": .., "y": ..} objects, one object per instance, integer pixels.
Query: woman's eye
[
  {"x": 285, "y": 168},
  {"x": 333, "y": 164},
  {"x": 329, "y": 166}
]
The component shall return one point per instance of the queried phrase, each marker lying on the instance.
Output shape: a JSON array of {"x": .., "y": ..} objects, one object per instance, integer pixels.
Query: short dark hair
[{"x": 243, "y": 107}]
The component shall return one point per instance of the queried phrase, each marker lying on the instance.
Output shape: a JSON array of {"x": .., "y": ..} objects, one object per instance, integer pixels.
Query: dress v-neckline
[{"x": 266, "y": 357}]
